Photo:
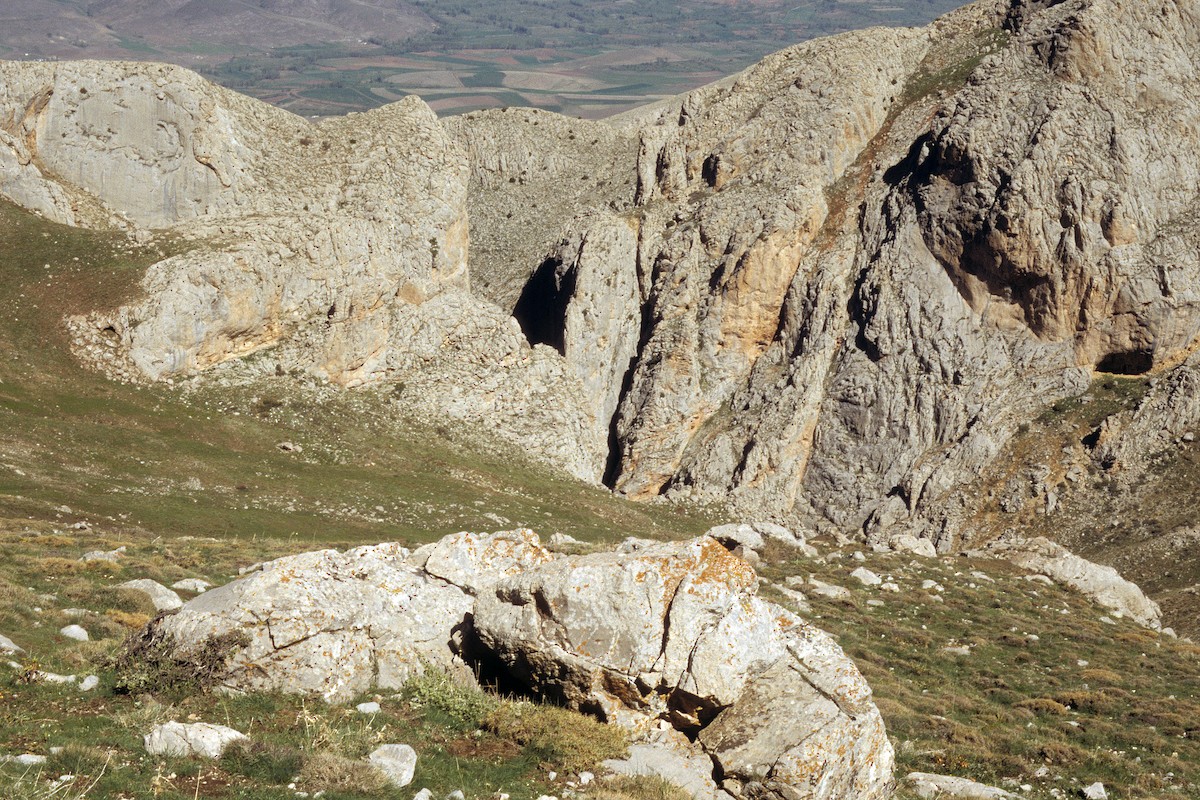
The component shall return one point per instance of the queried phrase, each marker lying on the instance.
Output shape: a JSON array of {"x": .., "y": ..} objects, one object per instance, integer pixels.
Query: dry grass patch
[{"x": 325, "y": 771}]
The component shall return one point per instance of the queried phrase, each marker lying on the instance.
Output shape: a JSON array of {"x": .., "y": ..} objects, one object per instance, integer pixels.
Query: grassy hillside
[{"x": 203, "y": 459}]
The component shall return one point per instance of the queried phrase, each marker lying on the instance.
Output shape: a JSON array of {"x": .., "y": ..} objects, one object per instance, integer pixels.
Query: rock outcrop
[
  {"x": 1103, "y": 584},
  {"x": 677, "y": 632},
  {"x": 669, "y": 640},
  {"x": 336, "y": 624}
]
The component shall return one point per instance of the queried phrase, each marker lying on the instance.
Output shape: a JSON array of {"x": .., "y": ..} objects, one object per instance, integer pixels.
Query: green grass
[{"x": 1024, "y": 698}]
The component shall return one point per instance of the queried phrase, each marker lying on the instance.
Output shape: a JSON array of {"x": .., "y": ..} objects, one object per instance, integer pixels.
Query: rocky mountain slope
[{"x": 834, "y": 290}]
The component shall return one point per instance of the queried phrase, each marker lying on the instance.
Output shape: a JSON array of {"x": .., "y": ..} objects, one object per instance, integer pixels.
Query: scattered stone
[
  {"x": 457, "y": 794},
  {"x": 7, "y": 645},
  {"x": 397, "y": 761},
  {"x": 918, "y": 546},
  {"x": 829, "y": 590},
  {"x": 866, "y": 577},
  {"x": 957, "y": 650},
  {"x": 75, "y": 632},
  {"x": 162, "y": 597},
  {"x": 89, "y": 683},
  {"x": 289, "y": 447},
  {"x": 103, "y": 555},
  {"x": 1095, "y": 792},
  {"x": 889, "y": 587},
  {"x": 876, "y": 603},
  {"x": 368, "y": 708},
  {"x": 194, "y": 585},
  {"x": 927, "y": 786},
  {"x": 586, "y": 777},
  {"x": 859, "y": 556},
  {"x": 424, "y": 794},
  {"x": 179, "y": 739},
  {"x": 30, "y": 759}
]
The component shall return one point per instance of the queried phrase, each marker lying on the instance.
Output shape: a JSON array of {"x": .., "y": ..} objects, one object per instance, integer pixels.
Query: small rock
[
  {"x": 89, "y": 683},
  {"x": 397, "y": 761},
  {"x": 957, "y": 650},
  {"x": 1095, "y": 792},
  {"x": 876, "y": 603},
  {"x": 195, "y": 585},
  {"x": 54, "y": 677},
  {"x": 7, "y": 645},
  {"x": 289, "y": 447},
  {"x": 889, "y": 587},
  {"x": 196, "y": 739},
  {"x": 75, "y": 632},
  {"x": 866, "y": 577},
  {"x": 859, "y": 556},
  {"x": 585, "y": 778},
  {"x": 907, "y": 543},
  {"x": 424, "y": 794},
  {"x": 927, "y": 786},
  {"x": 368, "y": 708},
  {"x": 162, "y": 597},
  {"x": 30, "y": 759},
  {"x": 829, "y": 590},
  {"x": 456, "y": 795},
  {"x": 103, "y": 555}
]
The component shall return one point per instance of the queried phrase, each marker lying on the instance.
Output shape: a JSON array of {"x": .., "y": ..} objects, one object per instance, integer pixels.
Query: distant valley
[{"x": 325, "y": 57}]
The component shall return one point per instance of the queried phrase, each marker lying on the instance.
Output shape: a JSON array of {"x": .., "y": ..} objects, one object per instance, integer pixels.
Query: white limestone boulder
[
  {"x": 397, "y": 761},
  {"x": 675, "y": 631},
  {"x": 335, "y": 624},
  {"x": 201, "y": 739},
  {"x": 163, "y": 598}
]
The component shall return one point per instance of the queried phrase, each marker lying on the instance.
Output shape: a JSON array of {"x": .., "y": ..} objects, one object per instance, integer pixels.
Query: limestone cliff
[{"x": 829, "y": 289}]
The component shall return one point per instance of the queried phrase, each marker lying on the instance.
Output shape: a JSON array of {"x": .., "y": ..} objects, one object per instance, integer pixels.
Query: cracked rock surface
[{"x": 676, "y": 632}]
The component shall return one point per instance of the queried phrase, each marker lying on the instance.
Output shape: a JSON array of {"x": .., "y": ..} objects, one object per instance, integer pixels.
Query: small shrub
[
  {"x": 149, "y": 661},
  {"x": 467, "y": 707},
  {"x": 333, "y": 773},
  {"x": 1043, "y": 705},
  {"x": 557, "y": 735}
]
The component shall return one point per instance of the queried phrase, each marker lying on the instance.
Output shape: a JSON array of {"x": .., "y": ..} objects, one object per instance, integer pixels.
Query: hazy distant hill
[{"x": 334, "y": 56}]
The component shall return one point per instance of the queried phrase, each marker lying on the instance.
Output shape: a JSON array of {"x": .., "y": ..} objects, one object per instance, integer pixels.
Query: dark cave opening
[
  {"x": 541, "y": 310},
  {"x": 1127, "y": 362}
]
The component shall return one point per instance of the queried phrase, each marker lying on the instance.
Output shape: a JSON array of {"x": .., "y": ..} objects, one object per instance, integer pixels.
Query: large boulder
[
  {"x": 337, "y": 623},
  {"x": 676, "y": 632}
]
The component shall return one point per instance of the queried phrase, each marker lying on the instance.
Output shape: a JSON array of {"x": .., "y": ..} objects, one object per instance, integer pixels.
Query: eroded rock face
[
  {"x": 676, "y": 632},
  {"x": 341, "y": 247},
  {"x": 336, "y": 624}
]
